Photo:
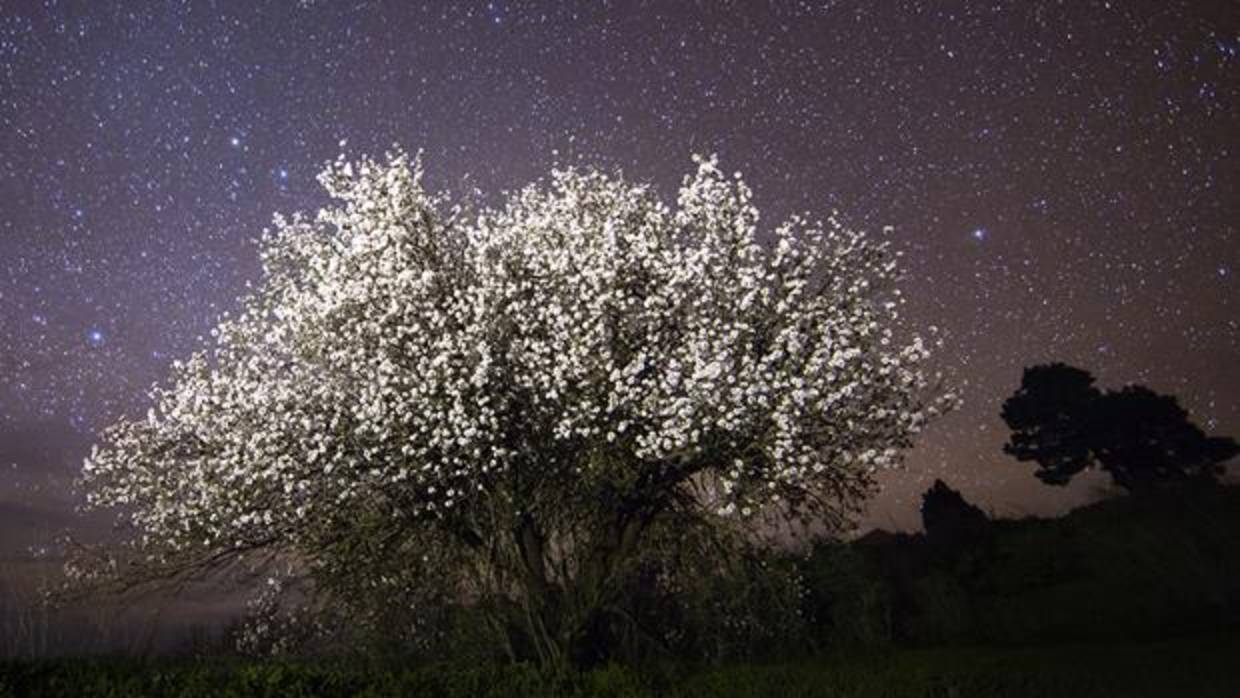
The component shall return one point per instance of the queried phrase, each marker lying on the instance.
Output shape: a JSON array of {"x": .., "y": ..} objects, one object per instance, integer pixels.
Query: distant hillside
[{"x": 1124, "y": 568}]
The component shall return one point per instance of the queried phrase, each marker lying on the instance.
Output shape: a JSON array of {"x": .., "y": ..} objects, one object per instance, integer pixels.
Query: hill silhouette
[{"x": 1128, "y": 568}]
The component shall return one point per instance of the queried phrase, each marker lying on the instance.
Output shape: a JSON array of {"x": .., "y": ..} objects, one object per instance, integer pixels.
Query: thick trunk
[
  {"x": 541, "y": 605},
  {"x": 533, "y": 562},
  {"x": 586, "y": 631},
  {"x": 565, "y": 622}
]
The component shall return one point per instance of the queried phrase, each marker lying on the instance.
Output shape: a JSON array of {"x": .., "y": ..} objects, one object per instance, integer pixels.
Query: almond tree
[{"x": 513, "y": 406}]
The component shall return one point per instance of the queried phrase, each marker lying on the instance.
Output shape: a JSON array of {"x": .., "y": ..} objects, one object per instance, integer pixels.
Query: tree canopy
[
  {"x": 1141, "y": 438},
  {"x": 512, "y": 405}
]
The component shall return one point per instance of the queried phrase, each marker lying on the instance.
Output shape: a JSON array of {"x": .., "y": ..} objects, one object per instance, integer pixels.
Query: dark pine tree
[
  {"x": 1049, "y": 418},
  {"x": 1144, "y": 439},
  {"x": 1141, "y": 438}
]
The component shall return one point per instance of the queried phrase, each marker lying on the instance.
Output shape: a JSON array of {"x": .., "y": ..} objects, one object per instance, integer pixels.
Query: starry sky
[{"x": 1063, "y": 178}]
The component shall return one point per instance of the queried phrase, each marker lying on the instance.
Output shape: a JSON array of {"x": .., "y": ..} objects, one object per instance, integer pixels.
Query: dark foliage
[
  {"x": 1087, "y": 604},
  {"x": 1202, "y": 667},
  {"x": 1125, "y": 569},
  {"x": 1141, "y": 438},
  {"x": 1048, "y": 416},
  {"x": 947, "y": 517}
]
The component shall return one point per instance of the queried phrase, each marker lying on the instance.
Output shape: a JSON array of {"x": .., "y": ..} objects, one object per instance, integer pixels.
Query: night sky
[{"x": 1063, "y": 178}]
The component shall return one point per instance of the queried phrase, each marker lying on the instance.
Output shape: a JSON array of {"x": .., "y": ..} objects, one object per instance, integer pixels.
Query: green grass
[{"x": 1202, "y": 666}]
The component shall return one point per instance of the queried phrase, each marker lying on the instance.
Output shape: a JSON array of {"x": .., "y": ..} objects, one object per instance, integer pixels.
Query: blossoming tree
[{"x": 508, "y": 405}]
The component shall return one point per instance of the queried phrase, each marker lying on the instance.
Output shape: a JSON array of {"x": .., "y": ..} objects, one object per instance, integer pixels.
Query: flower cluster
[{"x": 407, "y": 357}]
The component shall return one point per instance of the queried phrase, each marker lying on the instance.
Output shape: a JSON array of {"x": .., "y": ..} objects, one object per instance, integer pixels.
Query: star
[{"x": 134, "y": 202}]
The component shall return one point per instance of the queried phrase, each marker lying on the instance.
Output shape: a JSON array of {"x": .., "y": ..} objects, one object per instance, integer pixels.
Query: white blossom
[{"x": 401, "y": 353}]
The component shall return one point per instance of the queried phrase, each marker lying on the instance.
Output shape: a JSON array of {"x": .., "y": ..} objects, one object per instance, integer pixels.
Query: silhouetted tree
[
  {"x": 1141, "y": 438},
  {"x": 947, "y": 516},
  {"x": 1048, "y": 416}
]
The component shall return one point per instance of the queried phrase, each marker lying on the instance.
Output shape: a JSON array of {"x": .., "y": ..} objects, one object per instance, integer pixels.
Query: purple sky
[{"x": 1062, "y": 177}]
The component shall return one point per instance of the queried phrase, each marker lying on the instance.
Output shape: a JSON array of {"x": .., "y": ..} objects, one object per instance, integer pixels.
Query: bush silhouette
[{"x": 946, "y": 515}]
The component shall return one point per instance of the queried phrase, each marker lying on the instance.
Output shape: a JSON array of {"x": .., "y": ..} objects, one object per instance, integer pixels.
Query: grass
[{"x": 1199, "y": 666}]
